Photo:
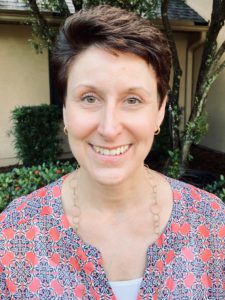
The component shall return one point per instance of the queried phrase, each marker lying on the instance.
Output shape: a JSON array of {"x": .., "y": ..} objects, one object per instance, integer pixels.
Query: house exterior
[
  {"x": 215, "y": 137},
  {"x": 24, "y": 75}
]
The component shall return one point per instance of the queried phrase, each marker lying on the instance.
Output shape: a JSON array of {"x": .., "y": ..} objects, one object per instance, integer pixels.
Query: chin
[{"x": 110, "y": 176}]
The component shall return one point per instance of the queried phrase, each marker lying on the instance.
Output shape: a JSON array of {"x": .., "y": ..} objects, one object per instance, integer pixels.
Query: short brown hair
[{"x": 111, "y": 28}]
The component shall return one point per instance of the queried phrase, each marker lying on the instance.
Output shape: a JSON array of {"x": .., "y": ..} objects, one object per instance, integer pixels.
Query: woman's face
[{"x": 111, "y": 113}]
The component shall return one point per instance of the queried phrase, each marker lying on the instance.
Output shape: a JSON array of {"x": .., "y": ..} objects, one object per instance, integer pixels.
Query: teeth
[{"x": 115, "y": 151}]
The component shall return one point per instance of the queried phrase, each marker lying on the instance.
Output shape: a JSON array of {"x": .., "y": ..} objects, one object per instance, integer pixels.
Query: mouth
[{"x": 111, "y": 152}]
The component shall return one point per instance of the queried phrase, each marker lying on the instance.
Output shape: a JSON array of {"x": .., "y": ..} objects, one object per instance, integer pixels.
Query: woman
[{"x": 113, "y": 229}]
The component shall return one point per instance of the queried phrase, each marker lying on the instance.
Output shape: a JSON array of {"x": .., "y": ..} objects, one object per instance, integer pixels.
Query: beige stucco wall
[
  {"x": 23, "y": 81},
  {"x": 215, "y": 138}
]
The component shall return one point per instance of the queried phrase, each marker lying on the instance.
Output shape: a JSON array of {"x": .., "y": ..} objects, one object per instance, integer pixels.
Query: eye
[
  {"x": 89, "y": 99},
  {"x": 133, "y": 100}
]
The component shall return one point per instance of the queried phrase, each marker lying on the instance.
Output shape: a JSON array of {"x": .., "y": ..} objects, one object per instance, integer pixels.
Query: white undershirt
[{"x": 126, "y": 290}]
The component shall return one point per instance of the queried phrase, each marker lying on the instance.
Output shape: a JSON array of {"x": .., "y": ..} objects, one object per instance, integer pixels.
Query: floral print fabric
[{"x": 41, "y": 257}]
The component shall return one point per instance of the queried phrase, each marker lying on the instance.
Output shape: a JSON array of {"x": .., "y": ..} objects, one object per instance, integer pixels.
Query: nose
[{"x": 109, "y": 123}]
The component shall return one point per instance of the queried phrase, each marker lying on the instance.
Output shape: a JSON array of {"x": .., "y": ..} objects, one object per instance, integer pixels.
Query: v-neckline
[{"x": 152, "y": 249}]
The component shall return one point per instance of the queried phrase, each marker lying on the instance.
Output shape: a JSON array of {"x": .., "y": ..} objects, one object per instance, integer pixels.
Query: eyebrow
[
  {"x": 131, "y": 89},
  {"x": 86, "y": 86}
]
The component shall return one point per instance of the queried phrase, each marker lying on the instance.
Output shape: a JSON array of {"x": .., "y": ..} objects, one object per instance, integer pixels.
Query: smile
[{"x": 111, "y": 152}]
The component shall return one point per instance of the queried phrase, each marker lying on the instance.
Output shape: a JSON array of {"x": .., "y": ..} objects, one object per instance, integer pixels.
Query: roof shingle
[
  {"x": 12, "y": 5},
  {"x": 179, "y": 10}
]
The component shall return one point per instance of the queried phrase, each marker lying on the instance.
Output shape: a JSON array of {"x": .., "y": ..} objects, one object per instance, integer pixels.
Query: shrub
[
  {"x": 35, "y": 130},
  {"x": 22, "y": 181},
  {"x": 217, "y": 187}
]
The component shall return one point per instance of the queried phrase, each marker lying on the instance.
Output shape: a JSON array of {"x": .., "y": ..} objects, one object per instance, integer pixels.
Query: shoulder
[
  {"x": 198, "y": 204},
  {"x": 35, "y": 205},
  {"x": 192, "y": 193}
]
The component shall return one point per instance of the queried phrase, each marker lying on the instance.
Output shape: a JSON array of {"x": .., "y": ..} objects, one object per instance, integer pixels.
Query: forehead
[{"x": 100, "y": 66}]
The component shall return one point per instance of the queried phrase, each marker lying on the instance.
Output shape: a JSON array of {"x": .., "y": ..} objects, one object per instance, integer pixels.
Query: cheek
[
  {"x": 79, "y": 125},
  {"x": 143, "y": 127}
]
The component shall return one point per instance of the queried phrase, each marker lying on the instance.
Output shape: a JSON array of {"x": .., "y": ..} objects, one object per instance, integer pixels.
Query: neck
[{"x": 114, "y": 198}]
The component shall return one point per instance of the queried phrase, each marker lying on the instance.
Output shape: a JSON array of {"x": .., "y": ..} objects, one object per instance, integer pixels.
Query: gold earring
[
  {"x": 157, "y": 131},
  {"x": 65, "y": 130}
]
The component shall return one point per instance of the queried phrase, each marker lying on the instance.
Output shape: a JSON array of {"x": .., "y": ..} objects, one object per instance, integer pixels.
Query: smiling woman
[
  {"x": 113, "y": 229},
  {"x": 116, "y": 110}
]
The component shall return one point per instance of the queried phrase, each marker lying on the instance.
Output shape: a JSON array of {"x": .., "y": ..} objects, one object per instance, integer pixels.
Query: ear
[{"x": 161, "y": 112}]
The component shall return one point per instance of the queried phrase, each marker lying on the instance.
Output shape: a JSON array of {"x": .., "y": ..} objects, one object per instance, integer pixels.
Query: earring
[
  {"x": 157, "y": 131},
  {"x": 65, "y": 130}
]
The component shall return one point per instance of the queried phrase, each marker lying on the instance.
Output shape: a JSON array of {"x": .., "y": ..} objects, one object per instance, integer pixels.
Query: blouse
[{"x": 42, "y": 257}]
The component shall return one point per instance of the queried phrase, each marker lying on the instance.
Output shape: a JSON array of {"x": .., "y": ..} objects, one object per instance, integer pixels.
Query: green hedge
[
  {"x": 36, "y": 130},
  {"x": 24, "y": 180},
  {"x": 217, "y": 187}
]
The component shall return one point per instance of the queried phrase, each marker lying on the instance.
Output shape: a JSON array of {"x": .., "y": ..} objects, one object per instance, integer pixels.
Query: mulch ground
[{"x": 208, "y": 160}]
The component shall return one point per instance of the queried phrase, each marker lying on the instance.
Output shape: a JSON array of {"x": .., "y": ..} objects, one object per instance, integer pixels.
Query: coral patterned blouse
[{"x": 41, "y": 257}]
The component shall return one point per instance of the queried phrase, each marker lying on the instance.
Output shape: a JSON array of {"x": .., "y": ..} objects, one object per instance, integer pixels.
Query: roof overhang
[
  {"x": 183, "y": 26},
  {"x": 22, "y": 17}
]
